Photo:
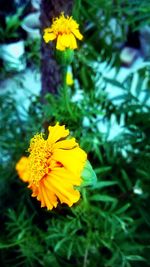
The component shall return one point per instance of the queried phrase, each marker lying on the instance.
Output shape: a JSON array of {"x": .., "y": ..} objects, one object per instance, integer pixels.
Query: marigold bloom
[
  {"x": 65, "y": 30},
  {"x": 54, "y": 167},
  {"x": 21, "y": 168}
]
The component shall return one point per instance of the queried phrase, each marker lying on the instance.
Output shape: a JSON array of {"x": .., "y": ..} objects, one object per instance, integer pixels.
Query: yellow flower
[
  {"x": 54, "y": 167},
  {"x": 21, "y": 168},
  {"x": 65, "y": 30}
]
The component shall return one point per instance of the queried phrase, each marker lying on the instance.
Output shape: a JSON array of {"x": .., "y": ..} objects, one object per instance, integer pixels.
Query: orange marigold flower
[
  {"x": 65, "y": 30},
  {"x": 22, "y": 168},
  {"x": 54, "y": 167}
]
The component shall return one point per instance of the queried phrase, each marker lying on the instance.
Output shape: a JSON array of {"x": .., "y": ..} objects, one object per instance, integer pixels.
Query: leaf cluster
[{"x": 10, "y": 30}]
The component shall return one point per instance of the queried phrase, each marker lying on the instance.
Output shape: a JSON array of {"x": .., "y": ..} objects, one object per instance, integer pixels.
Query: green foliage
[
  {"x": 110, "y": 225},
  {"x": 12, "y": 24},
  {"x": 105, "y": 24},
  {"x": 32, "y": 47}
]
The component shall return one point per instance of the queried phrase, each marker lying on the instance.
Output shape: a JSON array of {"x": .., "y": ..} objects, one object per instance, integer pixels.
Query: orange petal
[
  {"x": 65, "y": 192},
  {"x": 46, "y": 197},
  {"x": 51, "y": 196},
  {"x": 40, "y": 197}
]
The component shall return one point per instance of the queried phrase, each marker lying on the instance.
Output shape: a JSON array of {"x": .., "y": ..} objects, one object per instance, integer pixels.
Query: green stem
[
  {"x": 10, "y": 245},
  {"x": 84, "y": 196}
]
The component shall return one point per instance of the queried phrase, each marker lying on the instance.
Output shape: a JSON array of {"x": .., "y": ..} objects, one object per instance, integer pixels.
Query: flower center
[
  {"x": 63, "y": 25},
  {"x": 40, "y": 158}
]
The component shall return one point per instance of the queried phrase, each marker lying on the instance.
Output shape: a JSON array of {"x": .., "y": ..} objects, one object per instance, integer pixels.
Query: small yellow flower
[
  {"x": 69, "y": 77},
  {"x": 22, "y": 168},
  {"x": 65, "y": 30},
  {"x": 54, "y": 167}
]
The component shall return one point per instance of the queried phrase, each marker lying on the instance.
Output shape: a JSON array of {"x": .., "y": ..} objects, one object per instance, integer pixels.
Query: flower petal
[
  {"x": 65, "y": 41},
  {"x": 57, "y": 132},
  {"x": 67, "y": 177},
  {"x": 50, "y": 195},
  {"x": 64, "y": 191},
  {"x": 73, "y": 42},
  {"x": 77, "y": 34},
  {"x": 66, "y": 144},
  {"x": 73, "y": 159},
  {"x": 45, "y": 193},
  {"x": 59, "y": 45},
  {"x": 48, "y": 36}
]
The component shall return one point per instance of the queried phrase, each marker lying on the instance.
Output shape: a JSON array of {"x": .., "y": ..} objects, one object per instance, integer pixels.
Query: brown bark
[{"x": 50, "y": 72}]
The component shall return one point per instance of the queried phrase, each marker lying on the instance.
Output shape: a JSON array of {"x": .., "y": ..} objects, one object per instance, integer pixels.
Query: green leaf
[
  {"x": 60, "y": 243},
  {"x": 103, "y": 198},
  {"x": 115, "y": 83},
  {"x": 103, "y": 184},
  {"x": 88, "y": 175},
  {"x": 135, "y": 258},
  {"x": 102, "y": 170},
  {"x": 123, "y": 209}
]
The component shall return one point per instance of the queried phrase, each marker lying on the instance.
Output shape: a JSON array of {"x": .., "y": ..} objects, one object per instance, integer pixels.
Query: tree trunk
[{"x": 50, "y": 71}]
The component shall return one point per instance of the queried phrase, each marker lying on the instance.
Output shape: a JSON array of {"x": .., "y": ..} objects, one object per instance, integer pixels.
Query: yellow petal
[
  {"x": 59, "y": 45},
  {"x": 67, "y": 177},
  {"x": 57, "y": 132},
  {"x": 73, "y": 160},
  {"x": 77, "y": 34},
  {"x": 49, "y": 36},
  {"x": 65, "y": 144},
  {"x": 65, "y": 40},
  {"x": 73, "y": 42}
]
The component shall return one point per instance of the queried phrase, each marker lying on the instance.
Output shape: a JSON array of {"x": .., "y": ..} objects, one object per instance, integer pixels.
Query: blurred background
[{"x": 110, "y": 117}]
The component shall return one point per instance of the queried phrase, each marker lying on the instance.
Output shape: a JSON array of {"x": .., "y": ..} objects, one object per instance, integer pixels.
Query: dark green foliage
[
  {"x": 10, "y": 30},
  {"x": 33, "y": 51},
  {"x": 110, "y": 226}
]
